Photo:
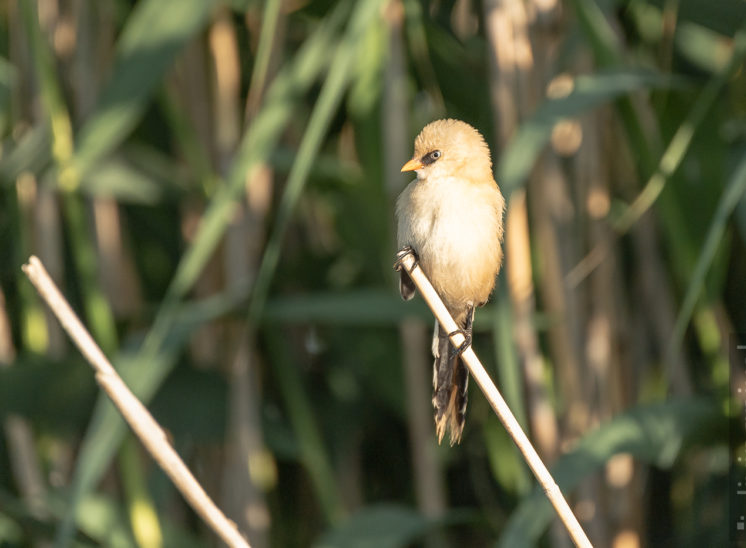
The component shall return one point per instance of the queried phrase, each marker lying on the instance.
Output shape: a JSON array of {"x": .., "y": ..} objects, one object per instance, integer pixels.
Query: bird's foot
[
  {"x": 403, "y": 252},
  {"x": 454, "y": 352}
]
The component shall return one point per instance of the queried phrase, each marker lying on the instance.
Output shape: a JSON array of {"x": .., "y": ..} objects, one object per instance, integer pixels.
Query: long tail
[{"x": 450, "y": 383}]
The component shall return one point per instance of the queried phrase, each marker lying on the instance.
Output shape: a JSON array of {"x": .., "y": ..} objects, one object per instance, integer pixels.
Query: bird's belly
[{"x": 459, "y": 249}]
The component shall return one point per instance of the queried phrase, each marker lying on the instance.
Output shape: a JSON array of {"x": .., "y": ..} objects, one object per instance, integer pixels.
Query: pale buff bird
[{"x": 451, "y": 216}]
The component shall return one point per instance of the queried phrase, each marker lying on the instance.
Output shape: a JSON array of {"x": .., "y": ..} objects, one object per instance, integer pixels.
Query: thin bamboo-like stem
[
  {"x": 22, "y": 455},
  {"x": 245, "y": 453},
  {"x": 406, "y": 259},
  {"x": 427, "y": 473},
  {"x": 142, "y": 422}
]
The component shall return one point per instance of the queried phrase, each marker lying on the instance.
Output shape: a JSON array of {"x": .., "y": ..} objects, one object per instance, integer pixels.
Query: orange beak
[{"x": 412, "y": 165}]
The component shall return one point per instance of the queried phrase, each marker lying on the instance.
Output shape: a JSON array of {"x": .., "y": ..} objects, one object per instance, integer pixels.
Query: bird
[{"x": 451, "y": 218}]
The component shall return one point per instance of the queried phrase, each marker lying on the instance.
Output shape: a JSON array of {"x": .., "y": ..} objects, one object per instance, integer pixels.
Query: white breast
[{"x": 455, "y": 228}]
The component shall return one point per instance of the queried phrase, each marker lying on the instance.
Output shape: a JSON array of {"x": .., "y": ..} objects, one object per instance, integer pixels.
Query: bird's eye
[{"x": 430, "y": 157}]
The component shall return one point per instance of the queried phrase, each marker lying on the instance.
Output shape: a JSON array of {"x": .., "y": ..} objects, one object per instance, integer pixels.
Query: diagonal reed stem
[
  {"x": 406, "y": 260},
  {"x": 142, "y": 422}
]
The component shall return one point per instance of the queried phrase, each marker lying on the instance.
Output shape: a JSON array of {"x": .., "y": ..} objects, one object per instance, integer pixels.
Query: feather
[
  {"x": 450, "y": 385},
  {"x": 406, "y": 286}
]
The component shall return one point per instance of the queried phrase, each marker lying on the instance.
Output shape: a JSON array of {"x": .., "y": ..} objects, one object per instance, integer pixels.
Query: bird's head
[{"x": 451, "y": 148}]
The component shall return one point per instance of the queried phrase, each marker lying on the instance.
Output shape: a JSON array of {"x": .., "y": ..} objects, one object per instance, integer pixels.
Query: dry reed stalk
[
  {"x": 140, "y": 420},
  {"x": 495, "y": 399},
  {"x": 189, "y": 87},
  {"x": 40, "y": 214},
  {"x": 598, "y": 332},
  {"x": 519, "y": 272},
  {"x": 248, "y": 463},
  {"x": 513, "y": 93},
  {"x": 116, "y": 265},
  {"x": 24, "y": 461},
  {"x": 426, "y": 470},
  {"x": 40, "y": 217}
]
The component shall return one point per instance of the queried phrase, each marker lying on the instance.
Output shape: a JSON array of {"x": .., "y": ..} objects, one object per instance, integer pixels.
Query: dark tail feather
[
  {"x": 450, "y": 383},
  {"x": 406, "y": 285}
]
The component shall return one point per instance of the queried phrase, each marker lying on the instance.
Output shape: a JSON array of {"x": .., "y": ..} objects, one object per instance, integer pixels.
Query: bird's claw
[
  {"x": 403, "y": 252},
  {"x": 454, "y": 352}
]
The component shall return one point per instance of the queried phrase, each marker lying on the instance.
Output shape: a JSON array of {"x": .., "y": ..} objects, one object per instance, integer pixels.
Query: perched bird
[{"x": 451, "y": 217}]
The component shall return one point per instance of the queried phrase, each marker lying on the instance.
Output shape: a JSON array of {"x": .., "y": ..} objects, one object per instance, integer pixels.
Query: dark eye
[{"x": 430, "y": 157}]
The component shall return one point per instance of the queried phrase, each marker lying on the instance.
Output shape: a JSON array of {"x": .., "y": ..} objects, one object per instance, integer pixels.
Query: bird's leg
[
  {"x": 453, "y": 352},
  {"x": 403, "y": 252},
  {"x": 466, "y": 332}
]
